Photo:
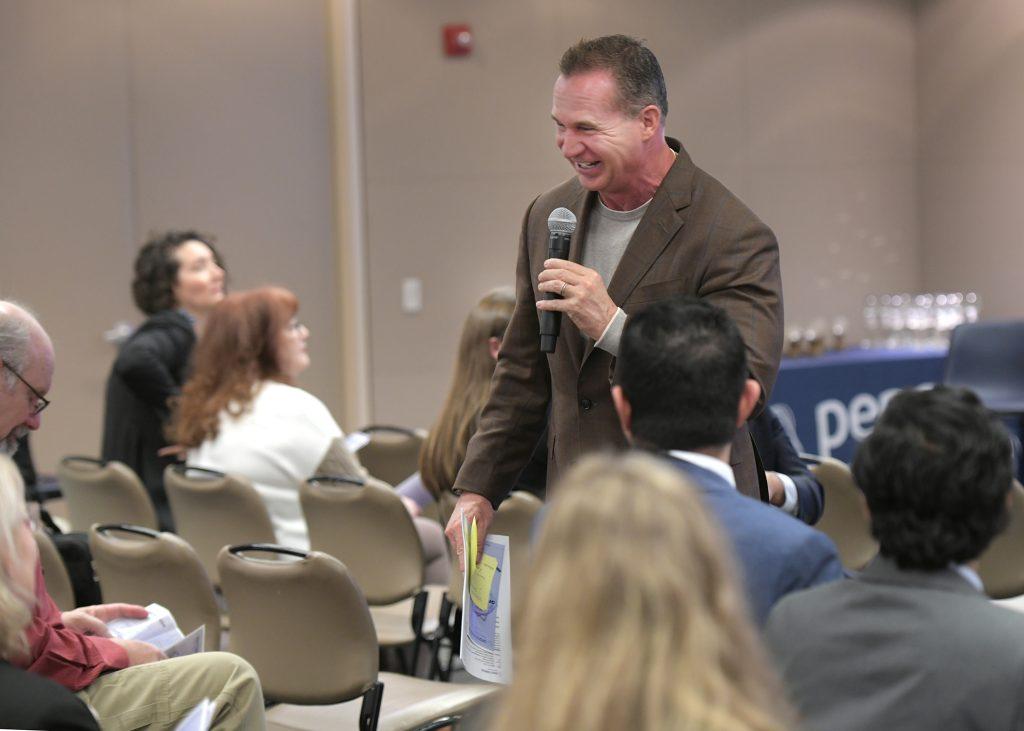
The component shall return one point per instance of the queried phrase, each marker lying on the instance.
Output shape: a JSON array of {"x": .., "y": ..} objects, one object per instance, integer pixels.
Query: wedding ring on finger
[{"x": 561, "y": 292}]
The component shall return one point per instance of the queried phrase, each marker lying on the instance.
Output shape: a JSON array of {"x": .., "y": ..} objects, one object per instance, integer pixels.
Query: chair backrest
[
  {"x": 213, "y": 510},
  {"x": 393, "y": 452},
  {"x": 140, "y": 566},
  {"x": 365, "y": 525},
  {"x": 58, "y": 582},
  {"x": 988, "y": 357},
  {"x": 301, "y": 621},
  {"x": 844, "y": 518},
  {"x": 514, "y": 518},
  {"x": 103, "y": 492},
  {"x": 1002, "y": 564}
]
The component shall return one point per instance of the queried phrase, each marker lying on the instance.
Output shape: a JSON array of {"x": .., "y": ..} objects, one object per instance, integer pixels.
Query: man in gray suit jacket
[
  {"x": 912, "y": 642},
  {"x": 652, "y": 225}
]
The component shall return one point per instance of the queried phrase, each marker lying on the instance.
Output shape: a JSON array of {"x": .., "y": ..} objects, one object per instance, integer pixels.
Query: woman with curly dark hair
[{"x": 179, "y": 278}]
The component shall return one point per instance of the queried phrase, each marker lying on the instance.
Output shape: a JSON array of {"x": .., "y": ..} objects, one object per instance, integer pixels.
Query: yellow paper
[
  {"x": 471, "y": 552},
  {"x": 480, "y": 581}
]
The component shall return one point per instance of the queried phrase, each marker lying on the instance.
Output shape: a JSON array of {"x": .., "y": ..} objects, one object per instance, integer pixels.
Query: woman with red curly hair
[{"x": 241, "y": 412}]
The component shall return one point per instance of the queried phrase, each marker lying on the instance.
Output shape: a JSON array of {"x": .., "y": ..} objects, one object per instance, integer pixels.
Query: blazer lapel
[{"x": 662, "y": 221}]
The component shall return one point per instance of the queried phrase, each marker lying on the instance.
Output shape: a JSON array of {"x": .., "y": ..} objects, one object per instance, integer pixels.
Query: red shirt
[{"x": 64, "y": 655}]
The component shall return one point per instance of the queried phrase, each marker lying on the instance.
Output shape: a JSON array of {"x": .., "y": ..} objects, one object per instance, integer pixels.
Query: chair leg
[
  {"x": 443, "y": 621},
  {"x": 419, "y": 611},
  {"x": 455, "y": 636},
  {"x": 369, "y": 715}
]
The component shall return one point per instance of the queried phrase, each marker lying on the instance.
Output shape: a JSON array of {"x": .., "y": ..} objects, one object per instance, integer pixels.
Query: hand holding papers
[
  {"x": 486, "y": 607},
  {"x": 160, "y": 630}
]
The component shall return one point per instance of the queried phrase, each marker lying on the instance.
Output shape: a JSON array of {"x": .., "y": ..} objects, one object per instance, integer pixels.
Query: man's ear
[
  {"x": 625, "y": 411},
  {"x": 650, "y": 117},
  {"x": 748, "y": 401}
]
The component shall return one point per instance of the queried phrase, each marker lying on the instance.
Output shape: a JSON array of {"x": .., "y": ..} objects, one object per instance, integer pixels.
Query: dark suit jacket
[
  {"x": 30, "y": 701},
  {"x": 150, "y": 368},
  {"x": 905, "y": 650},
  {"x": 778, "y": 455},
  {"x": 696, "y": 238},
  {"x": 776, "y": 554}
]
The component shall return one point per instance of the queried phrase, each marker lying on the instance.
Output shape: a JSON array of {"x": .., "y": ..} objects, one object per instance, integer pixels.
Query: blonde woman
[
  {"x": 445, "y": 448},
  {"x": 26, "y": 699},
  {"x": 634, "y": 618}
]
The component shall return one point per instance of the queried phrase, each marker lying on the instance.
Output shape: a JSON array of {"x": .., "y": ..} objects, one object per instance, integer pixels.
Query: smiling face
[
  {"x": 608, "y": 149},
  {"x": 200, "y": 282}
]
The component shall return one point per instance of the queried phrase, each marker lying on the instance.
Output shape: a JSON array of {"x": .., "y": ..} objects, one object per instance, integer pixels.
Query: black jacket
[
  {"x": 151, "y": 367},
  {"x": 31, "y": 701}
]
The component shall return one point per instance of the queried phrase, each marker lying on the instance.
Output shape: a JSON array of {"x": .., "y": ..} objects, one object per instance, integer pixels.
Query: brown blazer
[{"x": 696, "y": 238}]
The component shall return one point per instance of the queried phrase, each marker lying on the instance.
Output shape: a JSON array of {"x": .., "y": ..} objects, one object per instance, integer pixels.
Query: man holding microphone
[{"x": 650, "y": 225}]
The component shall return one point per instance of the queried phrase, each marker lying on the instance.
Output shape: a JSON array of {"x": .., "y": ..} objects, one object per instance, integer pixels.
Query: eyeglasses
[{"x": 41, "y": 401}]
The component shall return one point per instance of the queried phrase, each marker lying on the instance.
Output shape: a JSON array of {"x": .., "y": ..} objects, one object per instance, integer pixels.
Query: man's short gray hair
[{"x": 15, "y": 334}]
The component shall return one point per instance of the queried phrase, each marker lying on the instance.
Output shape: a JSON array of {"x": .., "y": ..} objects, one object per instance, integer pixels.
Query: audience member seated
[
  {"x": 178, "y": 279},
  {"x": 634, "y": 617},
  {"x": 791, "y": 486},
  {"x": 429, "y": 490},
  {"x": 240, "y": 412},
  {"x": 26, "y": 699},
  {"x": 684, "y": 388},
  {"x": 912, "y": 642},
  {"x": 127, "y": 683}
]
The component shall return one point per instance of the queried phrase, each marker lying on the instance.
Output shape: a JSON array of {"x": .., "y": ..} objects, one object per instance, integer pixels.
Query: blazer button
[{"x": 586, "y": 404}]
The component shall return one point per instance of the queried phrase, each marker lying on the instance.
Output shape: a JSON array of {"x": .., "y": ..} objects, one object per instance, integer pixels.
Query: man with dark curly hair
[{"x": 913, "y": 642}]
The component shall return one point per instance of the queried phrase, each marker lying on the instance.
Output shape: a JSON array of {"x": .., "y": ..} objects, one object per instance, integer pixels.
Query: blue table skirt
[{"x": 833, "y": 400}]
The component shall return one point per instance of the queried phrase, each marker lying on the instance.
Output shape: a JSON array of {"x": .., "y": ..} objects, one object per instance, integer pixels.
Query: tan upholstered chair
[
  {"x": 1002, "y": 563},
  {"x": 514, "y": 518},
  {"x": 213, "y": 510},
  {"x": 393, "y": 452},
  {"x": 58, "y": 583},
  {"x": 844, "y": 518},
  {"x": 365, "y": 525},
  {"x": 140, "y": 566},
  {"x": 103, "y": 492},
  {"x": 302, "y": 622}
]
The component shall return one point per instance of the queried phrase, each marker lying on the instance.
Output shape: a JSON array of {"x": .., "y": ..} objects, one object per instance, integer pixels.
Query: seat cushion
[{"x": 407, "y": 704}]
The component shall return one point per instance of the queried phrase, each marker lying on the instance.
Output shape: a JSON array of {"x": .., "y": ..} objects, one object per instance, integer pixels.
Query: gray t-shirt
[{"x": 608, "y": 234}]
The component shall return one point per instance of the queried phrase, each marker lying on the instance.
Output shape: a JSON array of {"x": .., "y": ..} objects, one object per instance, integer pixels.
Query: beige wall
[
  {"x": 845, "y": 125},
  {"x": 971, "y": 97},
  {"x": 805, "y": 109},
  {"x": 121, "y": 117}
]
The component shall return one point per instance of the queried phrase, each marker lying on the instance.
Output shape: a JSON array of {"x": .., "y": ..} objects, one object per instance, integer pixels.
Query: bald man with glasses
[{"x": 26, "y": 374}]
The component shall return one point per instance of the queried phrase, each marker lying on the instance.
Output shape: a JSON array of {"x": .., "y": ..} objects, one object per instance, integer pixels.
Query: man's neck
[{"x": 660, "y": 160}]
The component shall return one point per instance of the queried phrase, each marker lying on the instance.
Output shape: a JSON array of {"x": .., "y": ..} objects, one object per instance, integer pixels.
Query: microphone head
[{"x": 561, "y": 221}]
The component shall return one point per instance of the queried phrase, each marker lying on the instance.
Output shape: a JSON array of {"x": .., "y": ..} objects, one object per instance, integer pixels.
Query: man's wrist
[{"x": 612, "y": 335}]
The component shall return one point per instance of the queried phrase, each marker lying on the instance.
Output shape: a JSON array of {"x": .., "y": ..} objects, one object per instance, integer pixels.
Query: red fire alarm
[{"x": 458, "y": 39}]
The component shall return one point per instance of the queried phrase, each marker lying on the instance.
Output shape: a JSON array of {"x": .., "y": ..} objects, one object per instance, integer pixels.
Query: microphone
[{"x": 561, "y": 225}]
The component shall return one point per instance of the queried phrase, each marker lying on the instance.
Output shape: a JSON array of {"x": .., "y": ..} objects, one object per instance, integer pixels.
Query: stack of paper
[
  {"x": 486, "y": 607},
  {"x": 160, "y": 630}
]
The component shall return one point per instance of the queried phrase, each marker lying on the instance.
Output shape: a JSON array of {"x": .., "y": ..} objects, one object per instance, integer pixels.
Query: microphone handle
[{"x": 550, "y": 322}]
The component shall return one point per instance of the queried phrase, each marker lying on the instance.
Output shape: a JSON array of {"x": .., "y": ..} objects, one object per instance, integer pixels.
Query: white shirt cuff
[
  {"x": 612, "y": 335},
  {"x": 790, "y": 505}
]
